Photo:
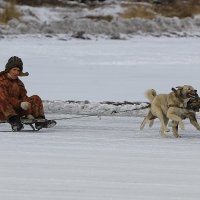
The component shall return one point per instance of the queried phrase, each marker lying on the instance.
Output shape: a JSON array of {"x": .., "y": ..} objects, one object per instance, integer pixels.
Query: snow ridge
[
  {"x": 95, "y": 108},
  {"x": 48, "y": 20},
  {"x": 160, "y": 26}
]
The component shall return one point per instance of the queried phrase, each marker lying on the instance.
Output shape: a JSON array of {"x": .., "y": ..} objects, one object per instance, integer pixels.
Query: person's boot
[
  {"x": 44, "y": 123},
  {"x": 15, "y": 123}
]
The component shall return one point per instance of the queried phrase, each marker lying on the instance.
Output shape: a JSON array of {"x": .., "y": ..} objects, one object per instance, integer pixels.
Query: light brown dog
[{"x": 171, "y": 106}]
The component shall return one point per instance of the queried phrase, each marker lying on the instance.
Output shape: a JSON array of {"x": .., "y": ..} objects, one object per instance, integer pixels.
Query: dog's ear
[
  {"x": 177, "y": 92},
  {"x": 174, "y": 90}
]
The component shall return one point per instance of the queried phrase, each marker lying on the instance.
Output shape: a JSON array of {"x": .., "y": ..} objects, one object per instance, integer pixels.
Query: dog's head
[
  {"x": 194, "y": 104},
  {"x": 186, "y": 91}
]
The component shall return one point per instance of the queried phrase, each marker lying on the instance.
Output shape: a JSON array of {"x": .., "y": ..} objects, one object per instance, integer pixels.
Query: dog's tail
[{"x": 150, "y": 94}]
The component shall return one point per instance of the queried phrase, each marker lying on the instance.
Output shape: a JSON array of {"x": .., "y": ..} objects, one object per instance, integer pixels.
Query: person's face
[{"x": 14, "y": 72}]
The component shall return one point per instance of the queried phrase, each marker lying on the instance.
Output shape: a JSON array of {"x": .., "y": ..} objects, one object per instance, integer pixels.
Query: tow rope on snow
[
  {"x": 82, "y": 116},
  {"x": 99, "y": 115}
]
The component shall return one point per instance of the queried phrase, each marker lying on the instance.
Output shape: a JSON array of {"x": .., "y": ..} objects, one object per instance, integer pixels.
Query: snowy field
[
  {"x": 62, "y": 68},
  {"x": 99, "y": 159},
  {"x": 88, "y": 158}
]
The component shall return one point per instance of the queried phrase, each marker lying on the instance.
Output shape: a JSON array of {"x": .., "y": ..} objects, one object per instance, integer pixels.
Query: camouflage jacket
[{"x": 11, "y": 90}]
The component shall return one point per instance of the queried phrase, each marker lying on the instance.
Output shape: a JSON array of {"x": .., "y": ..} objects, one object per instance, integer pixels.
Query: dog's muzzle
[{"x": 192, "y": 94}]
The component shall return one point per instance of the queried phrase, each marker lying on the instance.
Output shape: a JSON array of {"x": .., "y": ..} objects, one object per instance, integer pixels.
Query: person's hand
[{"x": 25, "y": 105}]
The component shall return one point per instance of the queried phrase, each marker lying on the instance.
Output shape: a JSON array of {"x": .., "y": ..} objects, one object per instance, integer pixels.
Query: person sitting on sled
[{"x": 14, "y": 102}]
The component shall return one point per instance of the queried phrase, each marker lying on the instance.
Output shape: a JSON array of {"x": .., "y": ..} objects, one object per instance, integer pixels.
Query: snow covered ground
[
  {"x": 97, "y": 159},
  {"x": 63, "y": 68},
  {"x": 108, "y": 157}
]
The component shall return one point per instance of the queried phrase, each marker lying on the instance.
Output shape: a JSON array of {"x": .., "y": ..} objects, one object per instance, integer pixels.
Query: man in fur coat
[{"x": 14, "y": 102}]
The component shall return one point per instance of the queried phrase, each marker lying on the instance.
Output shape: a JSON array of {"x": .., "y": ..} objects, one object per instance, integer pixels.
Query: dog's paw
[
  {"x": 177, "y": 135},
  {"x": 162, "y": 133},
  {"x": 142, "y": 126}
]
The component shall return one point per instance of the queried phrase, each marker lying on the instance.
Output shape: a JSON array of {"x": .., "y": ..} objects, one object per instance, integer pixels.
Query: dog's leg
[
  {"x": 149, "y": 118},
  {"x": 193, "y": 121},
  {"x": 143, "y": 123},
  {"x": 166, "y": 120},
  {"x": 171, "y": 114},
  {"x": 175, "y": 129},
  {"x": 146, "y": 120},
  {"x": 163, "y": 126},
  {"x": 162, "y": 132},
  {"x": 162, "y": 119}
]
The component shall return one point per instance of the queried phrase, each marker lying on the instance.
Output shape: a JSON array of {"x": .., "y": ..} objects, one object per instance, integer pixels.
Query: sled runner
[{"x": 35, "y": 124}]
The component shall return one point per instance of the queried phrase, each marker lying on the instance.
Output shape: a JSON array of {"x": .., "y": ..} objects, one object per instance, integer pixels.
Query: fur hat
[{"x": 15, "y": 61}]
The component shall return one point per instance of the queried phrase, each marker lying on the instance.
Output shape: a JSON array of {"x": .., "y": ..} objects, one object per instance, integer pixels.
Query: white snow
[
  {"x": 97, "y": 159},
  {"x": 87, "y": 157},
  {"x": 104, "y": 70},
  {"x": 94, "y": 89}
]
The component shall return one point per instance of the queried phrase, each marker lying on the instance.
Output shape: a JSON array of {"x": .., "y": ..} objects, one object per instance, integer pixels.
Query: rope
[
  {"x": 64, "y": 118},
  {"x": 100, "y": 114},
  {"x": 115, "y": 112}
]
